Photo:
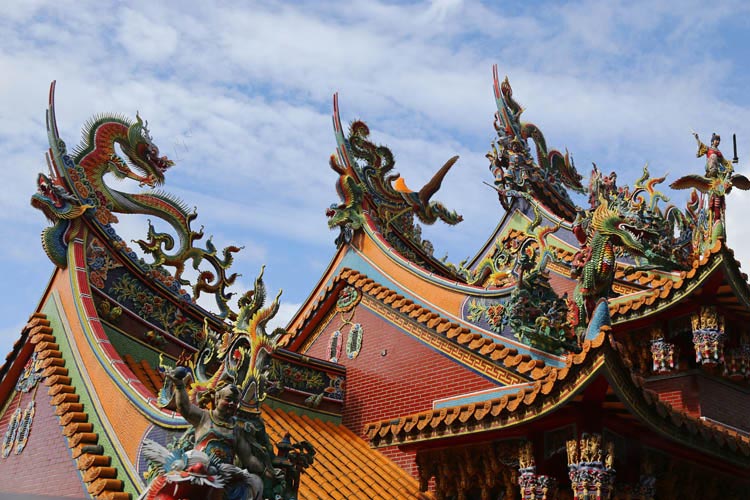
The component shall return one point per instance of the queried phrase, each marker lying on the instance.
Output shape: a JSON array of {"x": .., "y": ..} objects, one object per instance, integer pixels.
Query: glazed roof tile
[
  {"x": 148, "y": 376},
  {"x": 345, "y": 466},
  {"x": 665, "y": 290},
  {"x": 506, "y": 410},
  {"x": 520, "y": 367},
  {"x": 80, "y": 433},
  {"x": 553, "y": 391}
]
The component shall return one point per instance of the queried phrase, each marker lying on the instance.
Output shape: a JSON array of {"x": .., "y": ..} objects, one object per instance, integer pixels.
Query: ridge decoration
[
  {"x": 708, "y": 215},
  {"x": 370, "y": 190},
  {"x": 624, "y": 228},
  {"x": 509, "y": 259},
  {"x": 623, "y": 223},
  {"x": 533, "y": 313},
  {"x": 513, "y": 164},
  {"x": 75, "y": 189},
  {"x": 236, "y": 362}
]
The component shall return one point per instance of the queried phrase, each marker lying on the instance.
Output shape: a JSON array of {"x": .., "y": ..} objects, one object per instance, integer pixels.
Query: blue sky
[{"x": 240, "y": 96}]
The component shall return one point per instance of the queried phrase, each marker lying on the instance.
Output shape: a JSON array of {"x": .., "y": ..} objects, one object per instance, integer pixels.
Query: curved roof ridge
[
  {"x": 497, "y": 358},
  {"x": 509, "y": 409}
]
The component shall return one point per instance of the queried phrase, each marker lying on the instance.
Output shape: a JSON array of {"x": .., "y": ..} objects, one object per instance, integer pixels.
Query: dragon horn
[{"x": 433, "y": 185}]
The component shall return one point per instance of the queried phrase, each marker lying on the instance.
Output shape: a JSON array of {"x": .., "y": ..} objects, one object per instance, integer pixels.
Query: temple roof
[
  {"x": 663, "y": 293},
  {"x": 342, "y": 459},
  {"x": 345, "y": 466},
  {"x": 600, "y": 356}
]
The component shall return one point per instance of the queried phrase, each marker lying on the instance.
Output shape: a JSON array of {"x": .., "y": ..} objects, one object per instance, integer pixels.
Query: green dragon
[
  {"x": 76, "y": 187},
  {"x": 623, "y": 222},
  {"x": 594, "y": 265},
  {"x": 369, "y": 189},
  {"x": 60, "y": 207},
  {"x": 387, "y": 195}
]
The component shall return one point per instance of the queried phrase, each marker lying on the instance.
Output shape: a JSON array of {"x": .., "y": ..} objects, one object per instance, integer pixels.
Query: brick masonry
[
  {"x": 393, "y": 375},
  {"x": 46, "y": 449},
  {"x": 680, "y": 392},
  {"x": 702, "y": 396}
]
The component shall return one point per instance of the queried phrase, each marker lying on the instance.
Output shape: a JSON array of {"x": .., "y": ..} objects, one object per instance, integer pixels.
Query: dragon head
[
  {"x": 349, "y": 211},
  {"x": 336, "y": 215},
  {"x": 55, "y": 201},
  {"x": 627, "y": 232},
  {"x": 144, "y": 154}
]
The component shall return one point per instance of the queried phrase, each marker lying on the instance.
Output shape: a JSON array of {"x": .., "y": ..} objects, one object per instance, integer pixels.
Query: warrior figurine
[
  {"x": 715, "y": 162},
  {"x": 207, "y": 471}
]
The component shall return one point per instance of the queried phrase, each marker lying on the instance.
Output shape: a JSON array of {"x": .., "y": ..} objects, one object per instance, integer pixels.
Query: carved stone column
[
  {"x": 533, "y": 486},
  {"x": 590, "y": 468},
  {"x": 708, "y": 336}
]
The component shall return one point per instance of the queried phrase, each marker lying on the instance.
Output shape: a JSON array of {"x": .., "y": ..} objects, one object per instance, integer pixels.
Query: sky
[{"x": 239, "y": 95}]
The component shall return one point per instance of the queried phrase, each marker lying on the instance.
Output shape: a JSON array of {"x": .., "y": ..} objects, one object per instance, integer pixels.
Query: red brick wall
[
  {"x": 680, "y": 392},
  {"x": 405, "y": 460},
  {"x": 406, "y": 380},
  {"x": 724, "y": 403},
  {"x": 701, "y": 396},
  {"x": 45, "y": 466}
]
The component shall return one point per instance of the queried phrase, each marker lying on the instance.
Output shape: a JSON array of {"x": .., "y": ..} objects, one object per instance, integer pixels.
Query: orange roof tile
[
  {"x": 345, "y": 466},
  {"x": 148, "y": 376},
  {"x": 504, "y": 411},
  {"x": 82, "y": 438},
  {"x": 667, "y": 290},
  {"x": 551, "y": 392}
]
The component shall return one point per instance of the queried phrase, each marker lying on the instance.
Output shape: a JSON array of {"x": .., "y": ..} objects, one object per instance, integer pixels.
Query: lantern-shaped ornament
[
  {"x": 663, "y": 353},
  {"x": 663, "y": 356},
  {"x": 737, "y": 361},
  {"x": 708, "y": 336}
]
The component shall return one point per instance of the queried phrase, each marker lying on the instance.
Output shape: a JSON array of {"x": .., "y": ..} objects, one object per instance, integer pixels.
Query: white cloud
[{"x": 144, "y": 38}]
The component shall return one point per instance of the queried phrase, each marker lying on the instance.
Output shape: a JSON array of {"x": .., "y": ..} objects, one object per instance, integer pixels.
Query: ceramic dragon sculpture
[
  {"x": 242, "y": 355},
  {"x": 367, "y": 184},
  {"x": 76, "y": 188},
  {"x": 623, "y": 223},
  {"x": 594, "y": 265},
  {"x": 530, "y": 255},
  {"x": 513, "y": 165}
]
